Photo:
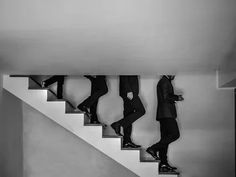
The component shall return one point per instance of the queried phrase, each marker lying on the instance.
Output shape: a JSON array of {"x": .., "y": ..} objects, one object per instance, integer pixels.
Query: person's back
[{"x": 166, "y": 99}]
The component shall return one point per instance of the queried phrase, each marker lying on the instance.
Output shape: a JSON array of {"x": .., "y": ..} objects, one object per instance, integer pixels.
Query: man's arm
[{"x": 168, "y": 96}]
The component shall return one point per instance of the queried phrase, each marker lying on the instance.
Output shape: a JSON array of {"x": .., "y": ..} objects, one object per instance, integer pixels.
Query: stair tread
[
  {"x": 149, "y": 160},
  {"x": 111, "y": 136},
  {"x": 19, "y": 75},
  {"x": 57, "y": 100},
  {"x": 92, "y": 124},
  {"x": 170, "y": 173},
  {"x": 108, "y": 131},
  {"x": 122, "y": 148},
  {"x": 145, "y": 157},
  {"x": 74, "y": 113},
  {"x": 38, "y": 88}
]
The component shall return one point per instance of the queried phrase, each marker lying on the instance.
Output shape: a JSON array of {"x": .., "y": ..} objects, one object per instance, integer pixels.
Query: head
[{"x": 170, "y": 77}]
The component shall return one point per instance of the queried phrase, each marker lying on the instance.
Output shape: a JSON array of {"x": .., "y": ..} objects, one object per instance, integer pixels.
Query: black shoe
[
  {"x": 165, "y": 167},
  {"x": 169, "y": 166},
  {"x": 116, "y": 126},
  {"x": 130, "y": 144},
  {"x": 83, "y": 109},
  {"x": 152, "y": 153}
]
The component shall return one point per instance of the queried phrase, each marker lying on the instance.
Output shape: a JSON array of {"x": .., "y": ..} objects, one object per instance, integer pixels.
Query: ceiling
[{"x": 116, "y": 36}]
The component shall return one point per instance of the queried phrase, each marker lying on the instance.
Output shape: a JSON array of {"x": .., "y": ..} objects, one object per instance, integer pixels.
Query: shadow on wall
[
  {"x": 230, "y": 84},
  {"x": 229, "y": 61}
]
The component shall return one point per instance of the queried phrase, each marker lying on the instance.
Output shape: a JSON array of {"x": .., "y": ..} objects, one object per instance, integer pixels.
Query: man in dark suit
[
  {"x": 60, "y": 81},
  {"x": 133, "y": 109},
  {"x": 166, "y": 115},
  {"x": 98, "y": 89}
]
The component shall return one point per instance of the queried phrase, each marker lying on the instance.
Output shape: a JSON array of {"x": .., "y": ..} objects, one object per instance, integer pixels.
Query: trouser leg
[
  {"x": 93, "y": 111},
  {"x": 169, "y": 133},
  {"x": 60, "y": 84},
  {"x": 50, "y": 81},
  {"x": 93, "y": 107},
  {"x": 128, "y": 109},
  {"x": 132, "y": 117},
  {"x": 101, "y": 89},
  {"x": 127, "y": 133},
  {"x": 164, "y": 149}
]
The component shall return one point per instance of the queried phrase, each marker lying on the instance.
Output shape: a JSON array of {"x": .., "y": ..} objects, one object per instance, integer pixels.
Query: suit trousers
[
  {"x": 60, "y": 82},
  {"x": 98, "y": 89},
  {"x": 133, "y": 110},
  {"x": 169, "y": 133}
]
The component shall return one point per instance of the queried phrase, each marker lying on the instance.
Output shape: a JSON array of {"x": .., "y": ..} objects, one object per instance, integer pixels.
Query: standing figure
[
  {"x": 60, "y": 81},
  {"x": 133, "y": 109},
  {"x": 166, "y": 115},
  {"x": 98, "y": 89}
]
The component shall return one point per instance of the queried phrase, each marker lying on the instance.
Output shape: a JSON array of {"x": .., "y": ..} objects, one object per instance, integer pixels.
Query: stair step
[
  {"x": 169, "y": 173},
  {"x": 145, "y": 157},
  {"x": 70, "y": 109},
  {"x": 60, "y": 100},
  {"x": 35, "y": 83},
  {"x": 93, "y": 125},
  {"x": 112, "y": 136},
  {"x": 122, "y": 148},
  {"x": 149, "y": 160},
  {"x": 19, "y": 75},
  {"x": 74, "y": 112},
  {"x": 109, "y": 131}
]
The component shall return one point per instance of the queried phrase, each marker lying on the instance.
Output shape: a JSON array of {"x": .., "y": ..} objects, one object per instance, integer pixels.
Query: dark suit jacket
[
  {"x": 166, "y": 99},
  {"x": 129, "y": 84}
]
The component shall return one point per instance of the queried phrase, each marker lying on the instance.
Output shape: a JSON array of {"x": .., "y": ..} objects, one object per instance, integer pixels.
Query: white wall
[
  {"x": 11, "y": 143},
  {"x": 50, "y": 150},
  {"x": 206, "y": 120},
  {"x": 225, "y": 76}
]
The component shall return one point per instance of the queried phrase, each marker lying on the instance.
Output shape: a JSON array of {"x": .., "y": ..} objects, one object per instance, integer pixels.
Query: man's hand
[
  {"x": 180, "y": 98},
  {"x": 130, "y": 95}
]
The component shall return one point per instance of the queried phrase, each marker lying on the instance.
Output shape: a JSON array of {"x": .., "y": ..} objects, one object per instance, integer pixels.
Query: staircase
[{"x": 62, "y": 111}]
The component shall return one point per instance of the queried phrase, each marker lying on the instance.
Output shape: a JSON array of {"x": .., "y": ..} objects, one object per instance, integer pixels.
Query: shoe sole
[{"x": 155, "y": 157}]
